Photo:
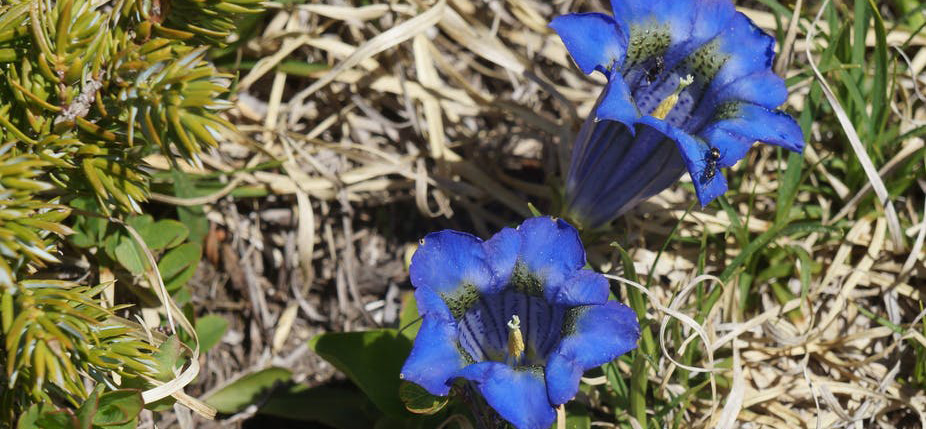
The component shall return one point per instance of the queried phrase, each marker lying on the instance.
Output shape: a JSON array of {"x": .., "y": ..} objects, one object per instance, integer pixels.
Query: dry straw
[{"x": 454, "y": 108}]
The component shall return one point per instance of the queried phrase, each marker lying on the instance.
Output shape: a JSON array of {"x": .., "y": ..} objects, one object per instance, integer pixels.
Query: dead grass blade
[
  {"x": 870, "y": 170},
  {"x": 386, "y": 40}
]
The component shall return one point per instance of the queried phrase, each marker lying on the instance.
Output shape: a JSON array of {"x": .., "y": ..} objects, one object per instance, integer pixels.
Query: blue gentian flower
[
  {"x": 690, "y": 87},
  {"x": 516, "y": 315}
]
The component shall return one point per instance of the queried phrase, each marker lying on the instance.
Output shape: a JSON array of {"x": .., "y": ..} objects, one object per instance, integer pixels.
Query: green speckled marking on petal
[
  {"x": 647, "y": 41},
  {"x": 726, "y": 110},
  {"x": 525, "y": 282},
  {"x": 536, "y": 370},
  {"x": 460, "y": 300},
  {"x": 571, "y": 318},
  {"x": 706, "y": 61}
]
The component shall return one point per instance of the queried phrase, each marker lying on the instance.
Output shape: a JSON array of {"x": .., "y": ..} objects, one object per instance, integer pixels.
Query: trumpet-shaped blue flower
[
  {"x": 516, "y": 315},
  {"x": 690, "y": 87}
]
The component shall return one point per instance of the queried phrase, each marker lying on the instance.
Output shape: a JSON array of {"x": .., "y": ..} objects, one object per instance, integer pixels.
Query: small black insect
[
  {"x": 653, "y": 72},
  {"x": 710, "y": 169}
]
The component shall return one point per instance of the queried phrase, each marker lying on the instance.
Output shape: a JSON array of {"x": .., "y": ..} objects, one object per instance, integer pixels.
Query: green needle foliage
[
  {"x": 203, "y": 21},
  {"x": 54, "y": 332},
  {"x": 94, "y": 91},
  {"x": 87, "y": 90},
  {"x": 26, "y": 224}
]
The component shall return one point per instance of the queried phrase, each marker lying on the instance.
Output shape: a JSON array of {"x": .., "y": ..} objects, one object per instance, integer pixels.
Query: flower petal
[
  {"x": 617, "y": 170},
  {"x": 732, "y": 147},
  {"x": 585, "y": 288},
  {"x": 594, "y": 40},
  {"x": 450, "y": 261},
  {"x": 708, "y": 181},
  {"x": 550, "y": 251},
  {"x": 435, "y": 357},
  {"x": 712, "y": 17},
  {"x": 690, "y": 23},
  {"x": 518, "y": 395},
  {"x": 593, "y": 335},
  {"x": 754, "y": 122},
  {"x": 678, "y": 14},
  {"x": 617, "y": 103},
  {"x": 502, "y": 253},
  {"x": 432, "y": 304},
  {"x": 764, "y": 88},
  {"x": 749, "y": 50}
]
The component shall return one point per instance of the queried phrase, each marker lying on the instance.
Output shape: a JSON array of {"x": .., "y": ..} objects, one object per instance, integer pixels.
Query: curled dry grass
[{"x": 461, "y": 109}]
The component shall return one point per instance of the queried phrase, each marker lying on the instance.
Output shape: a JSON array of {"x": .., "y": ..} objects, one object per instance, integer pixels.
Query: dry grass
[{"x": 452, "y": 114}]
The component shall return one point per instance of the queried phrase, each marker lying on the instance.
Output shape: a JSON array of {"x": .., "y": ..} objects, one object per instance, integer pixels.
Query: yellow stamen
[
  {"x": 663, "y": 108},
  {"x": 515, "y": 341}
]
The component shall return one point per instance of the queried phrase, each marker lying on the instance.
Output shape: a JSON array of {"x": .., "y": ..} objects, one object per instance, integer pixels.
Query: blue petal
[
  {"x": 615, "y": 171},
  {"x": 732, "y": 147},
  {"x": 502, "y": 253},
  {"x": 708, "y": 186},
  {"x": 551, "y": 250},
  {"x": 518, "y": 395},
  {"x": 749, "y": 48},
  {"x": 586, "y": 287},
  {"x": 431, "y": 304},
  {"x": 594, "y": 40},
  {"x": 679, "y": 14},
  {"x": 691, "y": 23},
  {"x": 435, "y": 357},
  {"x": 754, "y": 122},
  {"x": 594, "y": 335},
  {"x": 708, "y": 181},
  {"x": 763, "y": 88},
  {"x": 616, "y": 103},
  {"x": 712, "y": 17},
  {"x": 448, "y": 260}
]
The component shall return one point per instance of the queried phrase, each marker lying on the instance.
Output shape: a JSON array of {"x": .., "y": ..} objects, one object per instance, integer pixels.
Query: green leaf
[
  {"x": 141, "y": 223},
  {"x": 302, "y": 68},
  {"x": 89, "y": 408},
  {"x": 168, "y": 357},
  {"x": 409, "y": 322},
  {"x": 179, "y": 265},
  {"x": 129, "y": 254},
  {"x": 192, "y": 216},
  {"x": 210, "y": 329},
  {"x": 247, "y": 390},
  {"x": 577, "y": 417},
  {"x": 29, "y": 419},
  {"x": 160, "y": 235},
  {"x": 736, "y": 225},
  {"x": 533, "y": 209},
  {"x": 372, "y": 360},
  {"x": 879, "y": 89},
  {"x": 57, "y": 419},
  {"x": 338, "y": 407},
  {"x": 787, "y": 191},
  {"x": 119, "y": 408},
  {"x": 89, "y": 231},
  {"x": 420, "y": 401}
]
